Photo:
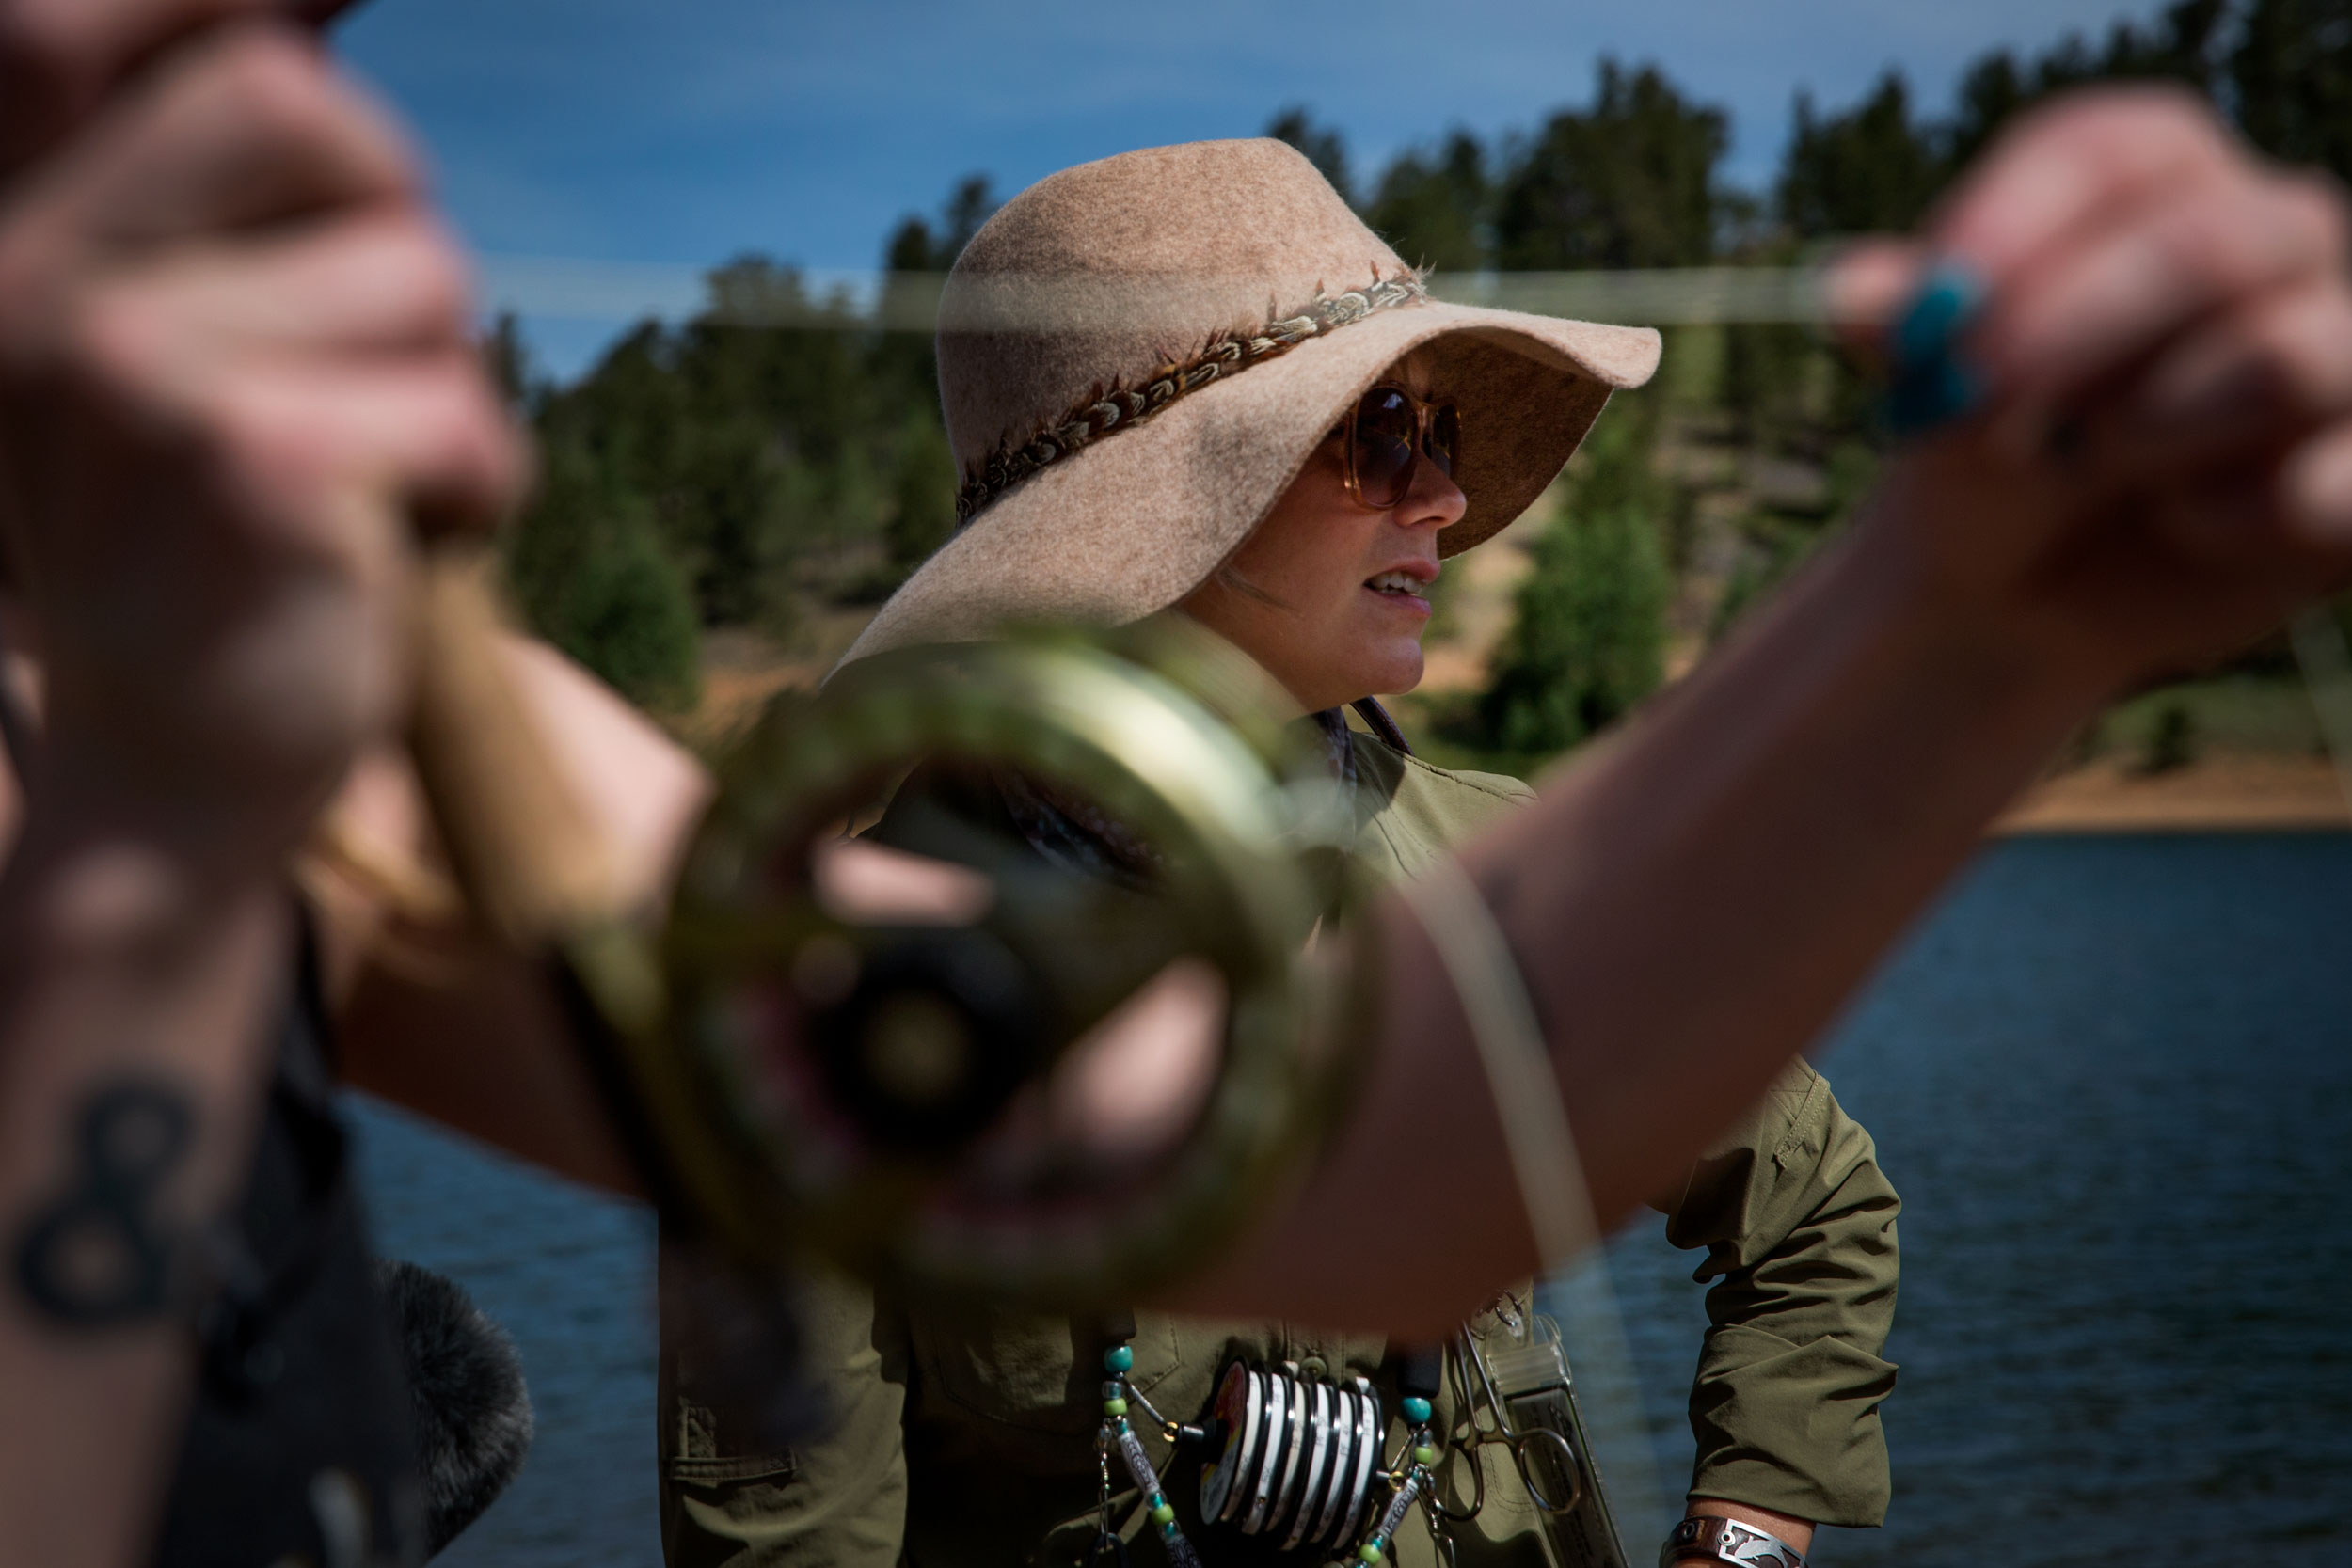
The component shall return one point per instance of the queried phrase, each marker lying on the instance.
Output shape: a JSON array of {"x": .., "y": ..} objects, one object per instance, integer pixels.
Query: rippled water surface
[{"x": 2113, "y": 1080}]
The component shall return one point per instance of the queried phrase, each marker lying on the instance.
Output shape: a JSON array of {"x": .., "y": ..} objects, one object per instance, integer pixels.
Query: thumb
[{"x": 1865, "y": 287}]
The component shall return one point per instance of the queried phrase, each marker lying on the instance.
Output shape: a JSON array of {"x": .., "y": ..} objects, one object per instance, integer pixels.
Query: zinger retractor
[{"x": 914, "y": 1059}]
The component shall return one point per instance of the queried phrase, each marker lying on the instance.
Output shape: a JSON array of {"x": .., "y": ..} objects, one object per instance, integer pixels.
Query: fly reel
[{"x": 1047, "y": 1045}]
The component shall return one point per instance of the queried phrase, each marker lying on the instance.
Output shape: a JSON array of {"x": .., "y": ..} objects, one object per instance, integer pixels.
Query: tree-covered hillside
[{"x": 709, "y": 475}]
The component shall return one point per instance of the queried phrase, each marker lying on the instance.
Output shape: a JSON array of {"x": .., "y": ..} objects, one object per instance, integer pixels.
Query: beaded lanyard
[
  {"x": 1117, "y": 1436},
  {"x": 1412, "y": 1477}
]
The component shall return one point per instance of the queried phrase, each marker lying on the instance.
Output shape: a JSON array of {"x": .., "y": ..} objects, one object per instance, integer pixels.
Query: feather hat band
[{"x": 1137, "y": 356}]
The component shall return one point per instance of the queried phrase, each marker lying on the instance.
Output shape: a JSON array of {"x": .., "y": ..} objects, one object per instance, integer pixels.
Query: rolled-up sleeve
[{"x": 1798, "y": 1226}]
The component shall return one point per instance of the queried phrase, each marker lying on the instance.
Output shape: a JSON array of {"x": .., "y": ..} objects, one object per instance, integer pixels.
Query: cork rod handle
[{"x": 527, "y": 855}]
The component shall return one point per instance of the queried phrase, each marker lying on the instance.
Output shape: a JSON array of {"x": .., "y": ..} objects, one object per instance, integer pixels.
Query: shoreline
[{"x": 2224, "y": 792}]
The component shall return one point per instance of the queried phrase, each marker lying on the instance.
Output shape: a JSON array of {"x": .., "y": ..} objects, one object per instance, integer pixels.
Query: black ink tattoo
[{"x": 96, "y": 1257}]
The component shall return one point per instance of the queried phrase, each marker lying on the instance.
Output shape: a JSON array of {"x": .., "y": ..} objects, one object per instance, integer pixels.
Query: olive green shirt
[{"x": 962, "y": 1438}]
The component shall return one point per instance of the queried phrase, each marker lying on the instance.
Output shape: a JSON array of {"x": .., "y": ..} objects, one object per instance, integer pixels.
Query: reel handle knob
[{"x": 938, "y": 1033}]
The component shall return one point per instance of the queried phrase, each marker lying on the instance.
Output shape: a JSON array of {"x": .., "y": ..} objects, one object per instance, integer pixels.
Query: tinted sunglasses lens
[
  {"x": 1383, "y": 450},
  {"x": 1445, "y": 437}
]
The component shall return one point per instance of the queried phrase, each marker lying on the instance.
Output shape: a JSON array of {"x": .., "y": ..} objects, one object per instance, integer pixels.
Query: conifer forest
[{"x": 709, "y": 486}]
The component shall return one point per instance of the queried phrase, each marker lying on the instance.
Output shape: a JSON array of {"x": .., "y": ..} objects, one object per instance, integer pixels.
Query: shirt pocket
[
  {"x": 704, "y": 1461},
  {"x": 1034, "y": 1374}
]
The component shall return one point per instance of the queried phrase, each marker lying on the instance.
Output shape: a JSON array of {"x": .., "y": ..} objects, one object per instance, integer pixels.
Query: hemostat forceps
[{"x": 1517, "y": 1393}]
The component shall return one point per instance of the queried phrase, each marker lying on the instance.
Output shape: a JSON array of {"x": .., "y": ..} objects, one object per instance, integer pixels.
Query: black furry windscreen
[{"x": 472, "y": 1410}]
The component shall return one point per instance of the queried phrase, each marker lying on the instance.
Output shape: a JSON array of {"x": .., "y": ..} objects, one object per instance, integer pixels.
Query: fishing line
[
  {"x": 838, "y": 299},
  {"x": 1541, "y": 1145}
]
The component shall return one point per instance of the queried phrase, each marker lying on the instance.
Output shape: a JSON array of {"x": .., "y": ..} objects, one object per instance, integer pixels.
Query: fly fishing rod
[
  {"x": 802, "y": 1065},
  {"x": 904, "y": 1089}
]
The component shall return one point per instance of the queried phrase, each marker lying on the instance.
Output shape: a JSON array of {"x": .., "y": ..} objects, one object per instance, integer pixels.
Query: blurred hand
[
  {"x": 59, "y": 57},
  {"x": 2161, "y": 467},
  {"x": 236, "y": 362}
]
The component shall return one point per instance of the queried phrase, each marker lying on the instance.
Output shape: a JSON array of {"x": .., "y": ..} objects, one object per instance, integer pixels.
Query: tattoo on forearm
[{"x": 99, "y": 1255}]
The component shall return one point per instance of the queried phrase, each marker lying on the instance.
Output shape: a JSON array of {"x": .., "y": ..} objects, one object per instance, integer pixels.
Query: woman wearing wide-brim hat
[{"x": 1190, "y": 379}]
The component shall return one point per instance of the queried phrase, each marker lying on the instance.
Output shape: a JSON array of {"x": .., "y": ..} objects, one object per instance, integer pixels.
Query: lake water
[{"x": 2113, "y": 1081}]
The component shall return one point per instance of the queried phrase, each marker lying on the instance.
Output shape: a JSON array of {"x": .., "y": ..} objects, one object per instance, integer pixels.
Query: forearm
[
  {"x": 1690, "y": 910},
  {"x": 457, "y": 1028},
  {"x": 137, "y": 987},
  {"x": 1689, "y": 906}
]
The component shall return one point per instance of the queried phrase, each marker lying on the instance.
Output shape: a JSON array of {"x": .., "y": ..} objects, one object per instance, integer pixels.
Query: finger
[
  {"x": 1865, "y": 286},
  {"x": 2083, "y": 314},
  {"x": 428, "y": 433},
  {"x": 2243, "y": 538},
  {"x": 2220, "y": 518},
  {"x": 59, "y": 57},
  {"x": 2072, "y": 167},
  {"x": 390, "y": 279},
  {"x": 2312, "y": 493},
  {"x": 2261, "y": 374},
  {"x": 249, "y": 128},
  {"x": 2247, "y": 567}
]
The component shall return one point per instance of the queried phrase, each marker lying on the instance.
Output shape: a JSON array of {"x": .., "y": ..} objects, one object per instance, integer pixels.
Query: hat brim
[{"x": 1135, "y": 522}]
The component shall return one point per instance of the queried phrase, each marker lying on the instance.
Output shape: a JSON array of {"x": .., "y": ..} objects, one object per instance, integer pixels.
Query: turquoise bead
[
  {"x": 1947, "y": 305},
  {"x": 1933, "y": 382},
  {"x": 1168, "y": 1529},
  {"x": 1119, "y": 1358},
  {"x": 1416, "y": 1409}
]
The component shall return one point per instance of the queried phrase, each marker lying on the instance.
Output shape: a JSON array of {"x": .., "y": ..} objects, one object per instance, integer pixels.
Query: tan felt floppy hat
[{"x": 1137, "y": 356}]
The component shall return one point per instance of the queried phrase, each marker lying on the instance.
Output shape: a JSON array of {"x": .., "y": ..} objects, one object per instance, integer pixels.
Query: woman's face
[{"x": 1330, "y": 596}]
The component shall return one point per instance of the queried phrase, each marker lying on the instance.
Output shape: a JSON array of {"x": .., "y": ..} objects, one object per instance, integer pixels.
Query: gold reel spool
[{"x": 889, "y": 1090}]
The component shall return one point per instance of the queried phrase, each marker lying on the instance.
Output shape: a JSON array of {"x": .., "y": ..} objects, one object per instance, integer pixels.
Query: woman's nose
[{"x": 1434, "y": 500}]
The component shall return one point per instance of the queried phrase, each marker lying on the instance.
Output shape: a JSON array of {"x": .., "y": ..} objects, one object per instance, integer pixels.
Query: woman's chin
[{"x": 1395, "y": 674}]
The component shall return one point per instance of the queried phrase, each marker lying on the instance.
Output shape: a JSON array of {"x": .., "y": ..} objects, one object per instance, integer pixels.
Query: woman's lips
[{"x": 1400, "y": 590}]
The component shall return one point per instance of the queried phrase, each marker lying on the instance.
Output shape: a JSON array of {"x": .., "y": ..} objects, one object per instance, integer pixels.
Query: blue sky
[{"x": 688, "y": 131}]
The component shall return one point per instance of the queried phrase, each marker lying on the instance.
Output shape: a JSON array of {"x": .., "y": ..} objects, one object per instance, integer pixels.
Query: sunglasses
[{"x": 1386, "y": 435}]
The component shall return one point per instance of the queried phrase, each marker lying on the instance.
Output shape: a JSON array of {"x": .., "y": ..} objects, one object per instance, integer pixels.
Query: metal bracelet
[{"x": 1707, "y": 1539}]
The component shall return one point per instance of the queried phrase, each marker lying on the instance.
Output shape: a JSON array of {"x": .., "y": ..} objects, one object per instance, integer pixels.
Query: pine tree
[
  {"x": 1587, "y": 641},
  {"x": 1870, "y": 169},
  {"x": 1630, "y": 183},
  {"x": 2291, "y": 74},
  {"x": 922, "y": 495},
  {"x": 588, "y": 572},
  {"x": 1991, "y": 91},
  {"x": 1431, "y": 210}
]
